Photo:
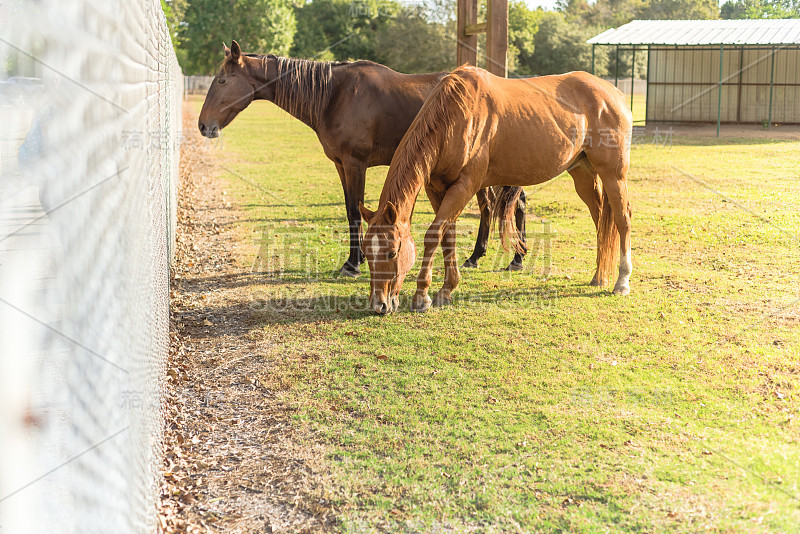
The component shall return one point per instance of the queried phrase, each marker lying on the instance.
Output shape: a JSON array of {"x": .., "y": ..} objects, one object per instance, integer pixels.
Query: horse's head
[
  {"x": 390, "y": 252},
  {"x": 231, "y": 91}
]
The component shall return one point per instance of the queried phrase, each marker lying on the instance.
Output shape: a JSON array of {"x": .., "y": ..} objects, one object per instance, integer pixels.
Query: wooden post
[
  {"x": 467, "y": 44},
  {"x": 497, "y": 37},
  {"x": 496, "y": 29}
]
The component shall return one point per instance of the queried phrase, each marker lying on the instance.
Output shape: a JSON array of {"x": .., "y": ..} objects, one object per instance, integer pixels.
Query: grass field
[
  {"x": 639, "y": 108},
  {"x": 536, "y": 402}
]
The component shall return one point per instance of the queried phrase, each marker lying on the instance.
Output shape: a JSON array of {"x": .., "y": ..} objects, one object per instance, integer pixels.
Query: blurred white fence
[
  {"x": 90, "y": 96},
  {"x": 624, "y": 85},
  {"x": 196, "y": 85}
]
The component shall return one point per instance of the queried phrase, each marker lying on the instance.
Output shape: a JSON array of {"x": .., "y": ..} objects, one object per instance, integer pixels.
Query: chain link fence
[{"x": 90, "y": 104}]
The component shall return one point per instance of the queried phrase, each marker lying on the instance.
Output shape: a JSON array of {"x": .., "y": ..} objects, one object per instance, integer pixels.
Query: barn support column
[
  {"x": 647, "y": 86},
  {"x": 633, "y": 69},
  {"x": 719, "y": 92},
  {"x": 771, "y": 84},
  {"x": 616, "y": 69},
  {"x": 593, "y": 47},
  {"x": 739, "y": 92}
]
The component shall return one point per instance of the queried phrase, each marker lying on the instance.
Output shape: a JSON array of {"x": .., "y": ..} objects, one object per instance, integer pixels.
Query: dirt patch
[
  {"x": 726, "y": 131},
  {"x": 234, "y": 461}
]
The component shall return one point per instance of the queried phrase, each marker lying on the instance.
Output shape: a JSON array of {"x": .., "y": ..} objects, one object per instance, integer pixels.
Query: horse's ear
[
  {"x": 366, "y": 214},
  {"x": 226, "y": 49},
  {"x": 236, "y": 52},
  {"x": 391, "y": 213}
]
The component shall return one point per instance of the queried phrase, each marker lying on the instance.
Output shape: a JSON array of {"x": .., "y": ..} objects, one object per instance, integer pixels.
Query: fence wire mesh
[{"x": 90, "y": 100}]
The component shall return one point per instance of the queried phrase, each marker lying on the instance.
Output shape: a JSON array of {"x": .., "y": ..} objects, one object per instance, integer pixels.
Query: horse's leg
[
  {"x": 451, "y": 205},
  {"x": 590, "y": 190},
  {"x": 484, "y": 204},
  {"x": 352, "y": 173},
  {"x": 421, "y": 301},
  {"x": 519, "y": 218},
  {"x": 451, "y": 274},
  {"x": 616, "y": 191}
]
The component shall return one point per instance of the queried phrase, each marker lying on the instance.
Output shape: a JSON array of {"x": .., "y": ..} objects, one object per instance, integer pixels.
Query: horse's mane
[
  {"x": 303, "y": 86},
  {"x": 418, "y": 152}
]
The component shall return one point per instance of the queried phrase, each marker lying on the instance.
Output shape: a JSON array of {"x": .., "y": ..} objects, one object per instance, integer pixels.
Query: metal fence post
[
  {"x": 771, "y": 84},
  {"x": 719, "y": 93}
]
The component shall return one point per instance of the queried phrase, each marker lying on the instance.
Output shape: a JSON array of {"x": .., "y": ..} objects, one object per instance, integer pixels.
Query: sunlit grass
[{"x": 536, "y": 402}]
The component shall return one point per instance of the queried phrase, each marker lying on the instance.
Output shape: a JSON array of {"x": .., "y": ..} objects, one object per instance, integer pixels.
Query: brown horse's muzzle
[
  {"x": 210, "y": 130},
  {"x": 384, "y": 307}
]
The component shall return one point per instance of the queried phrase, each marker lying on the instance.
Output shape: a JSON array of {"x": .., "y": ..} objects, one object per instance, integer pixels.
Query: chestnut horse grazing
[
  {"x": 359, "y": 112},
  {"x": 477, "y": 130}
]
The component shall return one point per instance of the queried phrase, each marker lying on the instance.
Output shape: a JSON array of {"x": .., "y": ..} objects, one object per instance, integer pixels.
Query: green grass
[
  {"x": 538, "y": 403},
  {"x": 639, "y": 108}
]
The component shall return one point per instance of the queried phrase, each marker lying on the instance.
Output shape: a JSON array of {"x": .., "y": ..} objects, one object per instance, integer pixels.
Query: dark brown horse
[
  {"x": 477, "y": 130},
  {"x": 359, "y": 112}
]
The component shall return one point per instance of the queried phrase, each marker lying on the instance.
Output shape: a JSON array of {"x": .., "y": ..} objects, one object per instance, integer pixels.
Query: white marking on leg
[
  {"x": 625, "y": 269},
  {"x": 625, "y": 263}
]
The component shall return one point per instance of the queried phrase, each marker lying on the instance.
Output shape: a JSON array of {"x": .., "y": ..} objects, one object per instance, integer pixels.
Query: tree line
[{"x": 419, "y": 35}]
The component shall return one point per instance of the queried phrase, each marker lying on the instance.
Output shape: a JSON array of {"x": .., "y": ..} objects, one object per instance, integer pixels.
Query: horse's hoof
[
  {"x": 622, "y": 290},
  {"x": 349, "y": 271},
  {"x": 470, "y": 264},
  {"x": 439, "y": 300},
  {"x": 514, "y": 267},
  {"x": 596, "y": 282},
  {"x": 420, "y": 303}
]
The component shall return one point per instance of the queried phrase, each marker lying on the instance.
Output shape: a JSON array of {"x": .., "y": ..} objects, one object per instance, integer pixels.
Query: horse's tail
[
  {"x": 503, "y": 212},
  {"x": 607, "y": 242}
]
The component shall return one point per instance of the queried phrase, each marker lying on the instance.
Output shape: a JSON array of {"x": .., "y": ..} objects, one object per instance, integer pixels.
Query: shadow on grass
[
  {"x": 276, "y": 297},
  {"x": 337, "y": 308},
  {"x": 201, "y": 284},
  {"x": 287, "y": 204},
  {"x": 297, "y": 221}
]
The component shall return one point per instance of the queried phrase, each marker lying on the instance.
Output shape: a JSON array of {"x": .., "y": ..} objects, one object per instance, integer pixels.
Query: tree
[
  {"x": 602, "y": 13},
  {"x": 680, "y": 10},
  {"x": 523, "y": 23},
  {"x": 263, "y": 26},
  {"x": 409, "y": 42},
  {"x": 174, "y": 11},
  {"x": 340, "y": 29},
  {"x": 760, "y": 9},
  {"x": 560, "y": 46}
]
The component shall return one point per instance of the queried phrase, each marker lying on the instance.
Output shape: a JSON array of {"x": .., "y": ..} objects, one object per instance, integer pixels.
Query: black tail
[{"x": 503, "y": 209}]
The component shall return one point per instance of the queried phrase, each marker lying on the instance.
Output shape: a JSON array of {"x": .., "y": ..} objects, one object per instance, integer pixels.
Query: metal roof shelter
[{"x": 744, "y": 70}]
